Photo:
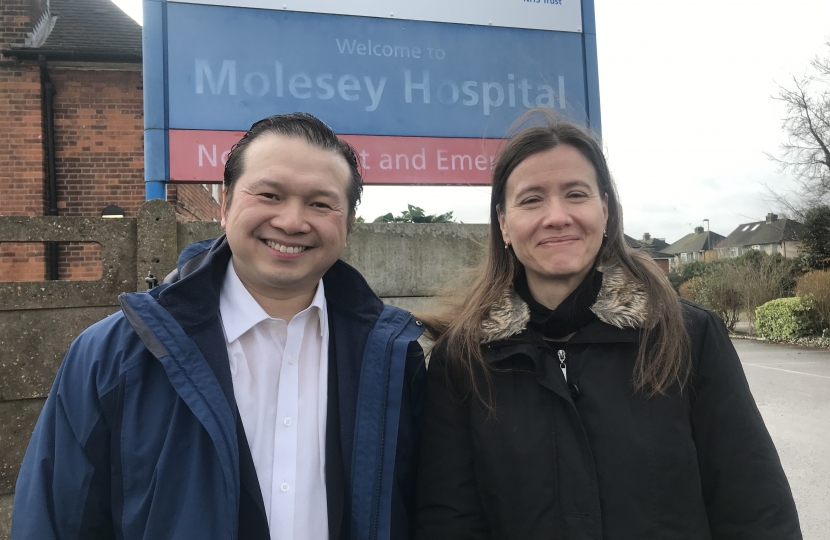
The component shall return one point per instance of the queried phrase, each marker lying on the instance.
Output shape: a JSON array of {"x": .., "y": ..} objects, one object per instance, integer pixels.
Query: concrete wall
[{"x": 403, "y": 263}]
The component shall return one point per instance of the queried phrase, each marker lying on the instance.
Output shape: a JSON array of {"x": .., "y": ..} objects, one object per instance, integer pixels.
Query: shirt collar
[{"x": 240, "y": 311}]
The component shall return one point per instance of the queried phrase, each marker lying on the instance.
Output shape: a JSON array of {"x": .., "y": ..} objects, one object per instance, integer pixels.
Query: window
[
  {"x": 756, "y": 226},
  {"x": 684, "y": 257}
]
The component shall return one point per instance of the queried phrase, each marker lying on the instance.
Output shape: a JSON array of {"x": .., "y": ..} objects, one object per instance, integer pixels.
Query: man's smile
[{"x": 282, "y": 248}]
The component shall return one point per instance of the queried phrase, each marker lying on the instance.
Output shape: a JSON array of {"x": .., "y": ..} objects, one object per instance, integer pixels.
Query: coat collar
[{"x": 621, "y": 307}]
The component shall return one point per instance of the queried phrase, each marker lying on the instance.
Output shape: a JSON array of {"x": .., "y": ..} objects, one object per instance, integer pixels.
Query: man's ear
[
  {"x": 350, "y": 221},
  {"x": 224, "y": 208}
]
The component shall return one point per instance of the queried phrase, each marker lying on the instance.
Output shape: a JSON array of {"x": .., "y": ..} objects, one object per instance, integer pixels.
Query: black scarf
[{"x": 572, "y": 314}]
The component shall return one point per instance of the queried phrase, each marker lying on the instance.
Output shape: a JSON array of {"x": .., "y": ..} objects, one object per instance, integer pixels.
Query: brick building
[{"x": 71, "y": 128}]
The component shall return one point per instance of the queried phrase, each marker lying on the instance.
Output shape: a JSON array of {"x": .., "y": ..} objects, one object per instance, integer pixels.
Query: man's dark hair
[{"x": 296, "y": 125}]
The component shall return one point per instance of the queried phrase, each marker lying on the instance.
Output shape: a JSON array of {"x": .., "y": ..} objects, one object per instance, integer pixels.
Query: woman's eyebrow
[
  {"x": 577, "y": 183},
  {"x": 528, "y": 189}
]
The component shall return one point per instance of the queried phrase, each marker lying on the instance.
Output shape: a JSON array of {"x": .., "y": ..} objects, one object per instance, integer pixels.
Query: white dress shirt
[{"x": 280, "y": 381}]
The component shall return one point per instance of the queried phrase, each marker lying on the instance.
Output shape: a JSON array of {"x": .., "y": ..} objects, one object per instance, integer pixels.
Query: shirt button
[
  {"x": 291, "y": 359},
  {"x": 284, "y": 487},
  {"x": 287, "y": 421}
]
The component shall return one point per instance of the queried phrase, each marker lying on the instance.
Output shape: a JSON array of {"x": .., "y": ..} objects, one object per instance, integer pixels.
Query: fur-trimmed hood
[{"x": 622, "y": 302}]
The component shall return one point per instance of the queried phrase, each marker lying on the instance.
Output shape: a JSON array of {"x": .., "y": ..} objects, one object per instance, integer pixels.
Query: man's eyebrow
[
  {"x": 320, "y": 192},
  {"x": 265, "y": 182},
  {"x": 276, "y": 184}
]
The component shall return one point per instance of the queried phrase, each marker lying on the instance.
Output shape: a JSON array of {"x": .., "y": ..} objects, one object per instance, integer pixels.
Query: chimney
[
  {"x": 698, "y": 230},
  {"x": 646, "y": 236},
  {"x": 771, "y": 217}
]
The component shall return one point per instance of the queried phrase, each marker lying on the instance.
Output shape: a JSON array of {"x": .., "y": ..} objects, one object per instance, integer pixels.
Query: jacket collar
[{"x": 621, "y": 307}]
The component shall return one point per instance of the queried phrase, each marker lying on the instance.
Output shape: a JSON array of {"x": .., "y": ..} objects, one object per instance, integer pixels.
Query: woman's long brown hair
[{"x": 663, "y": 358}]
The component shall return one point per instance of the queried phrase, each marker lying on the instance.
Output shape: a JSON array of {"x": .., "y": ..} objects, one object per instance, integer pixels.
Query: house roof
[
  {"x": 696, "y": 241},
  {"x": 84, "y": 30},
  {"x": 763, "y": 232},
  {"x": 653, "y": 253},
  {"x": 654, "y": 243}
]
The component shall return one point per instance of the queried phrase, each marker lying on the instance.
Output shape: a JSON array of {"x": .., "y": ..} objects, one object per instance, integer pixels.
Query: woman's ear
[
  {"x": 505, "y": 234},
  {"x": 605, "y": 209}
]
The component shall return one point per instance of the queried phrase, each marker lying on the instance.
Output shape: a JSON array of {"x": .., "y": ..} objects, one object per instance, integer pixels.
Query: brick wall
[
  {"x": 22, "y": 261},
  {"x": 16, "y": 21},
  {"x": 99, "y": 140},
  {"x": 99, "y": 147},
  {"x": 194, "y": 201},
  {"x": 21, "y": 152}
]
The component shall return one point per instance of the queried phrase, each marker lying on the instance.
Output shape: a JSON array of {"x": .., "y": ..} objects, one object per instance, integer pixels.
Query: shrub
[
  {"x": 723, "y": 298},
  {"x": 817, "y": 284},
  {"x": 715, "y": 292},
  {"x": 690, "y": 289},
  {"x": 759, "y": 278},
  {"x": 815, "y": 238},
  {"x": 785, "y": 318},
  {"x": 694, "y": 269}
]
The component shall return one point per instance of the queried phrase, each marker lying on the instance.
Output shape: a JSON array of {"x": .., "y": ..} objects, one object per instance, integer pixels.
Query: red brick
[{"x": 98, "y": 145}]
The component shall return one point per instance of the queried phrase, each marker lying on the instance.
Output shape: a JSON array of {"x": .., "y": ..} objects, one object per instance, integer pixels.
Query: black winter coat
[{"x": 606, "y": 463}]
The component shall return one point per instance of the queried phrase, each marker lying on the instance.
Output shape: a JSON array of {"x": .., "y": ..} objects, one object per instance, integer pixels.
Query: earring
[
  {"x": 506, "y": 245},
  {"x": 604, "y": 234}
]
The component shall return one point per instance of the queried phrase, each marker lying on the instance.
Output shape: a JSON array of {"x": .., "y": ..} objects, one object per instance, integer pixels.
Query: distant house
[
  {"x": 662, "y": 259},
  {"x": 772, "y": 235},
  {"x": 691, "y": 247},
  {"x": 653, "y": 243}
]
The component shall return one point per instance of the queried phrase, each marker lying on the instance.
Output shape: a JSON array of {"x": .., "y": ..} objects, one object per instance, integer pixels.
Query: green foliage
[
  {"x": 730, "y": 287},
  {"x": 676, "y": 280},
  {"x": 715, "y": 291},
  {"x": 785, "y": 318},
  {"x": 414, "y": 214},
  {"x": 694, "y": 269},
  {"x": 817, "y": 285},
  {"x": 691, "y": 289},
  {"x": 679, "y": 276},
  {"x": 815, "y": 240},
  {"x": 360, "y": 219}
]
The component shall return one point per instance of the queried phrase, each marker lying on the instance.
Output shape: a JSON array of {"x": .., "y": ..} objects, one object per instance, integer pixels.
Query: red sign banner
[{"x": 200, "y": 156}]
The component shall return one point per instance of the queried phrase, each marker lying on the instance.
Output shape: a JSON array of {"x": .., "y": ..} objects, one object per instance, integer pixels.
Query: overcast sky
[{"x": 687, "y": 112}]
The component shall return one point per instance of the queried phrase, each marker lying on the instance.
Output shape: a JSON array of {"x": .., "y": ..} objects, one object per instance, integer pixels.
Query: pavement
[{"x": 791, "y": 386}]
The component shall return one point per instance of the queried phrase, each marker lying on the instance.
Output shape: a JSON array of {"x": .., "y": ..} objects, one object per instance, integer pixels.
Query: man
[{"x": 264, "y": 392}]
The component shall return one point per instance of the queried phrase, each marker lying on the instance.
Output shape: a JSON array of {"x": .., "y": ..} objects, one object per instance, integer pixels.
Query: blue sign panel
[{"x": 228, "y": 67}]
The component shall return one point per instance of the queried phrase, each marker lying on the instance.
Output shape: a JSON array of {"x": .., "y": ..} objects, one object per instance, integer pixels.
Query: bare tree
[
  {"x": 806, "y": 153},
  {"x": 759, "y": 278}
]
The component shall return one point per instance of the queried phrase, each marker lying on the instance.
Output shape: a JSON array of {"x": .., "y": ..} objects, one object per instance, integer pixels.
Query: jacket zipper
[
  {"x": 563, "y": 363},
  {"x": 376, "y": 522}
]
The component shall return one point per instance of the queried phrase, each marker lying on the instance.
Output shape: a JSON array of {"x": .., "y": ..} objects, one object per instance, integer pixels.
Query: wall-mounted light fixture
[{"x": 112, "y": 211}]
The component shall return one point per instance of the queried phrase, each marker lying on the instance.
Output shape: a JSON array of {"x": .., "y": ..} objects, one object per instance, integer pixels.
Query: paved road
[{"x": 791, "y": 386}]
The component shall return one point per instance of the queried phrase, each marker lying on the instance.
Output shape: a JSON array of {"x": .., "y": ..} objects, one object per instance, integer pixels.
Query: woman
[{"x": 571, "y": 395}]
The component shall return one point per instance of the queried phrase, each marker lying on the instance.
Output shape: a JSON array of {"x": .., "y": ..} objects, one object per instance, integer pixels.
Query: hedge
[{"x": 785, "y": 318}]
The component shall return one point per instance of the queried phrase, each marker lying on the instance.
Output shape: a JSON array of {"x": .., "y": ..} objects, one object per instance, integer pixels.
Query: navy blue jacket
[{"x": 140, "y": 436}]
